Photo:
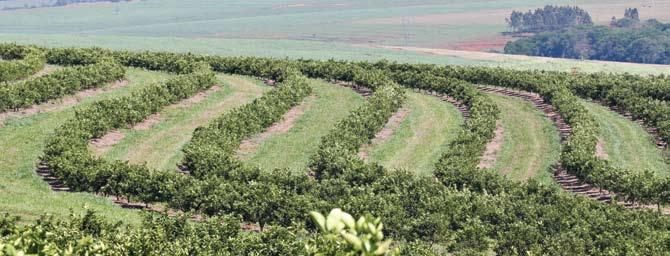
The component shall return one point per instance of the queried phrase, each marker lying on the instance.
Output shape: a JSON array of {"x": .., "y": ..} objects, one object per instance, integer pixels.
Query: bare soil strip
[
  {"x": 362, "y": 90},
  {"x": 161, "y": 146},
  {"x": 251, "y": 145},
  {"x": 386, "y": 132},
  {"x": 61, "y": 103},
  {"x": 101, "y": 145},
  {"x": 104, "y": 143},
  {"x": 600, "y": 149},
  {"x": 195, "y": 99},
  {"x": 493, "y": 148},
  {"x": 48, "y": 69}
]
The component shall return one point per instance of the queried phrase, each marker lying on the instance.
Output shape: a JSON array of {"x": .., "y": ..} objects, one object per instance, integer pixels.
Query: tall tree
[{"x": 549, "y": 18}]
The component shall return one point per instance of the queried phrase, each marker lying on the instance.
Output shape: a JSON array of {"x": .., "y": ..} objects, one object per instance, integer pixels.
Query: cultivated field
[
  {"x": 211, "y": 132},
  {"x": 471, "y": 25}
]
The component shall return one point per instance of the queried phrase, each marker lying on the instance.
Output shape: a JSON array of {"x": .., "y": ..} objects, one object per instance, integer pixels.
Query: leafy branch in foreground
[{"x": 363, "y": 237}]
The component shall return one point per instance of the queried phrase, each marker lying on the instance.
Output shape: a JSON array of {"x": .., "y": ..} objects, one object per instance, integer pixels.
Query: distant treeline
[
  {"x": 627, "y": 40},
  {"x": 548, "y": 18},
  {"x": 58, "y": 3}
]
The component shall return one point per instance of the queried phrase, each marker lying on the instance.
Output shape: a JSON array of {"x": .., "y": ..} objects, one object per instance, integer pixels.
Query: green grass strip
[
  {"x": 626, "y": 143},
  {"x": 421, "y": 138},
  {"x": 294, "y": 148},
  {"x": 160, "y": 146},
  {"x": 531, "y": 142}
]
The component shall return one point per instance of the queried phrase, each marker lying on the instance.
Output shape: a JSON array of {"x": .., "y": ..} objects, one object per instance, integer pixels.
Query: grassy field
[
  {"x": 531, "y": 142},
  {"x": 293, "y": 148},
  {"x": 321, "y": 50},
  {"x": 427, "y": 23},
  {"x": 160, "y": 145},
  {"x": 626, "y": 143},
  {"x": 418, "y": 142},
  {"x": 22, "y": 191}
]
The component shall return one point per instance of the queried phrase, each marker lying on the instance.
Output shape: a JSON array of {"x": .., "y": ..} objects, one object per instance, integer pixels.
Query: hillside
[{"x": 322, "y": 128}]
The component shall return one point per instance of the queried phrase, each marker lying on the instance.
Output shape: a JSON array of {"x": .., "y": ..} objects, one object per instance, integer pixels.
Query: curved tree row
[
  {"x": 476, "y": 212},
  {"x": 211, "y": 151},
  {"x": 578, "y": 155},
  {"x": 560, "y": 89},
  {"x": 17, "y": 62},
  {"x": 58, "y": 84},
  {"x": 95, "y": 71}
]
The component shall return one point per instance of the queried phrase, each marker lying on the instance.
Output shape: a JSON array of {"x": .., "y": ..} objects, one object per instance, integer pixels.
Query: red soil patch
[
  {"x": 480, "y": 45},
  {"x": 493, "y": 148},
  {"x": 60, "y": 103},
  {"x": 386, "y": 132},
  {"x": 104, "y": 143},
  {"x": 250, "y": 145},
  {"x": 148, "y": 122},
  {"x": 195, "y": 99}
]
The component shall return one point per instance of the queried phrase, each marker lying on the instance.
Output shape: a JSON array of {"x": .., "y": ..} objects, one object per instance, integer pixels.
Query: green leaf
[
  {"x": 319, "y": 219},
  {"x": 353, "y": 240},
  {"x": 383, "y": 248}
]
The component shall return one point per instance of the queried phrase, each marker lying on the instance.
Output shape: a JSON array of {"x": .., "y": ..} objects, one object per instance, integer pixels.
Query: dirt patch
[
  {"x": 96, "y": 91},
  {"x": 493, "y": 148},
  {"x": 462, "y": 54},
  {"x": 48, "y": 69},
  {"x": 104, "y": 143},
  {"x": 101, "y": 145},
  {"x": 250, "y": 145},
  {"x": 600, "y": 149},
  {"x": 496, "y": 43},
  {"x": 386, "y": 132},
  {"x": 148, "y": 122},
  {"x": 197, "y": 98},
  {"x": 59, "y": 104}
]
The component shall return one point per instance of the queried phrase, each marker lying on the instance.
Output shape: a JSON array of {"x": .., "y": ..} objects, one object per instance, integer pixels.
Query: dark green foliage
[
  {"x": 644, "y": 43},
  {"x": 548, "y": 18},
  {"x": 58, "y": 84},
  {"x": 336, "y": 156},
  {"x": 88, "y": 234},
  {"x": 630, "y": 18},
  {"x": 17, "y": 62}
]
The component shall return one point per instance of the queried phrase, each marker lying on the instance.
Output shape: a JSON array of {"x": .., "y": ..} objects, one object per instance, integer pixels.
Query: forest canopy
[
  {"x": 548, "y": 18},
  {"x": 626, "y": 39}
]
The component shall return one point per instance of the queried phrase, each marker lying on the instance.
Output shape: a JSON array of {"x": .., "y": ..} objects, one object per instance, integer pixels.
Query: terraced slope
[
  {"x": 530, "y": 141},
  {"x": 292, "y": 145},
  {"x": 625, "y": 143},
  {"x": 417, "y": 143},
  {"x": 22, "y": 139},
  {"x": 158, "y": 141}
]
